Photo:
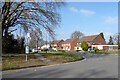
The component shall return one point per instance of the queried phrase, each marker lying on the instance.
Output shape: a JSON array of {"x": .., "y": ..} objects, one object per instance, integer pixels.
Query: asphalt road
[{"x": 94, "y": 66}]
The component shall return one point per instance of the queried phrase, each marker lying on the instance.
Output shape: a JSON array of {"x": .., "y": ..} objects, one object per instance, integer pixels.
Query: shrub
[
  {"x": 118, "y": 46},
  {"x": 96, "y": 49},
  {"x": 44, "y": 50},
  {"x": 52, "y": 50},
  {"x": 84, "y": 46},
  {"x": 61, "y": 50},
  {"x": 77, "y": 50}
]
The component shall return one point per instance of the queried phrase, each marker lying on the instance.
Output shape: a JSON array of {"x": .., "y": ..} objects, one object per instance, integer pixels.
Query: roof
[
  {"x": 55, "y": 42},
  {"x": 68, "y": 41},
  {"x": 87, "y": 38}
]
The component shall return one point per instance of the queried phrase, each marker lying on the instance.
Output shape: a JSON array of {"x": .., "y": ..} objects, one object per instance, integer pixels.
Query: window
[
  {"x": 99, "y": 42},
  {"x": 110, "y": 47},
  {"x": 89, "y": 42},
  {"x": 78, "y": 43}
]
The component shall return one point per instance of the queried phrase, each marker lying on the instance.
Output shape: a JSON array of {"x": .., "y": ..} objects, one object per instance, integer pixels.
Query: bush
[
  {"x": 118, "y": 46},
  {"x": 61, "y": 50},
  {"x": 96, "y": 49},
  {"x": 77, "y": 50},
  {"x": 52, "y": 50},
  {"x": 44, "y": 50},
  {"x": 84, "y": 46},
  {"x": 12, "y": 45}
]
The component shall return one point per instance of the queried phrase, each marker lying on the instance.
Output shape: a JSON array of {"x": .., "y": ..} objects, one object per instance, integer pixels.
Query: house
[
  {"x": 106, "y": 47},
  {"x": 69, "y": 44},
  {"x": 91, "y": 40},
  {"x": 55, "y": 45}
]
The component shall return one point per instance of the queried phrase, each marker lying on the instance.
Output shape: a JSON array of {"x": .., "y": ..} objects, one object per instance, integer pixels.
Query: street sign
[
  {"x": 27, "y": 49},
  {"x": 28, "y": 35}
]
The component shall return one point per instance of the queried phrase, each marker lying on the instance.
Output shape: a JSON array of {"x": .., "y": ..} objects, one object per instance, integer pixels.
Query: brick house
[
  {"x": 106, "y": 47},
  {"x": 55, "y": 45},
  {"x": 69, "y": 44},
  {"x": 91, "y": 40}
]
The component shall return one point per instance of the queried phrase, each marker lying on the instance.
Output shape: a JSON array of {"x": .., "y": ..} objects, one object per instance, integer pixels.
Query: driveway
[{"x": 94, "y": 66}]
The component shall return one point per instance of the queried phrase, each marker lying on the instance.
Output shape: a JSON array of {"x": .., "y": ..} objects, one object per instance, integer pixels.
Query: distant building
[
  {"x": 91, "y": 40},
  {"x": 55, "y": 45},
  {"x": 106, "y": 47},
  {"x": 69, "y": 44}
]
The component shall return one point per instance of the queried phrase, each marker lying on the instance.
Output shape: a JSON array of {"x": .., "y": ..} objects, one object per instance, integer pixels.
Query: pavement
[{"x": 94, "y": 66}]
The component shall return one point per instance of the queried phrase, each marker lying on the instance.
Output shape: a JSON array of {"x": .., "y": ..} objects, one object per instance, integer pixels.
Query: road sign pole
[
  {"x": 27, "y": 47},
  {"x": 26, "y": 57}
]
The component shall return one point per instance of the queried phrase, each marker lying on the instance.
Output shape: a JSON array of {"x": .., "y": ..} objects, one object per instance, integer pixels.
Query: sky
[{"x": 91, "y": 18}]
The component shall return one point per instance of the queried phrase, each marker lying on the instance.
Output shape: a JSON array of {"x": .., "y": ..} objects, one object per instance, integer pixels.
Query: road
[{"x": 94, "y": 66}]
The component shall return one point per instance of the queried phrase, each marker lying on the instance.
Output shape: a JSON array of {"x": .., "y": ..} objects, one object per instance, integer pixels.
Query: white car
[{"x": 34, "y": 50}]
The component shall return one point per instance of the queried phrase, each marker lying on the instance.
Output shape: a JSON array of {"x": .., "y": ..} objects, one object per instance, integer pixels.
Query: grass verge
[
  {"x": 107, "y": 52},
  {"x": 62, "y": 58},
  {"x": 10, "y": 61}
]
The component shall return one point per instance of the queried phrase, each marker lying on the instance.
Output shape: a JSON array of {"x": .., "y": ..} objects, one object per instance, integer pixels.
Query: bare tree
[
  {"x": 30, "y": 15},
  {"x": 77, "y": 34},
  {"x": 36, "y": 36}
]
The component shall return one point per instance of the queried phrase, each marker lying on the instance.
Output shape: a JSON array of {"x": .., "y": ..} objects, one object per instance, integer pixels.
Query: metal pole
[
  {"x": 26, "y": 53},
  {"x": 26, "y": 57}
]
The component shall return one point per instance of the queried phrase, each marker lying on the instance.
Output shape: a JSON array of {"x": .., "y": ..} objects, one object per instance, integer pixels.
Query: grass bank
[{"x": 62, "y": 58}]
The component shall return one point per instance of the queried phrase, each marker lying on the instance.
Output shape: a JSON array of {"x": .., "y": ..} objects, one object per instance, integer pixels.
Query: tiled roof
[
  {"x": 55, "y": 42},
  {"x": 68, "y": 41},
  {"x": 87, "y": 38}
]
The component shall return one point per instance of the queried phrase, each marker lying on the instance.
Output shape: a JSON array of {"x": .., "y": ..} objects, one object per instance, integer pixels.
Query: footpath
[{"x": 43, "y": 62}]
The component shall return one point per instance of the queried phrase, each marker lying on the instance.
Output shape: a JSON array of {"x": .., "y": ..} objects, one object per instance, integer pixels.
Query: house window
[
  {"x": 99, "y": 42},
  {"x": 78, "y": 43},
  {"x": 110, "y": 47},
  {"x": 89, "y": 42}
]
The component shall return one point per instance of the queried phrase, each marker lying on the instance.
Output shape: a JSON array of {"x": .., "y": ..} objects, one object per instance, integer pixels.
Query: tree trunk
[{"x": 6, "y": 32}]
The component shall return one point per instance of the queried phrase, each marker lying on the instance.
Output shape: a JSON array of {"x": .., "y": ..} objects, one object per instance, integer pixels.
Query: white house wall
[
  {"x": 45, "y": 46},
  {"x": 78, "y": 48}
]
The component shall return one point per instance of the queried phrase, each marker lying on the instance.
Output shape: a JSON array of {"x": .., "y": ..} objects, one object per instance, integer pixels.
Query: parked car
[{"x": 34, "y": 50}]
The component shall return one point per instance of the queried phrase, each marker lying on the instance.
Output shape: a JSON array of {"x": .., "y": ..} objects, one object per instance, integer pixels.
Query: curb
[{"x": 37, "y": 66}]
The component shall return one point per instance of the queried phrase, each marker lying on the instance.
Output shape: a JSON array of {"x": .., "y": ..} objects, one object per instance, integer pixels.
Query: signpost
[
  {"x": 27, "y": 51},
  {"x": 27, "y": 47}
]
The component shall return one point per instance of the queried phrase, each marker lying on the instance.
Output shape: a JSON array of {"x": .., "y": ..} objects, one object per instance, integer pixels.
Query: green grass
[
  {"x": 107, "y": 52},
  {"x": 13, "y": 60},
  {"x": 50, "y": 52},
  {"x": 62, "y": 58},
  {"x": 9, "y": 66}
]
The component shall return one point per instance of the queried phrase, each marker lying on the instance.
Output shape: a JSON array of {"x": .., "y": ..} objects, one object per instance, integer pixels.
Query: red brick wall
[
  {"x": 115, "y": 47},
  {"x": 98, "y": 40},
  {"x": 60, "y": 44},
  {"x": 73, "y": 44},
  {"x": 106, "y": 47}
]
